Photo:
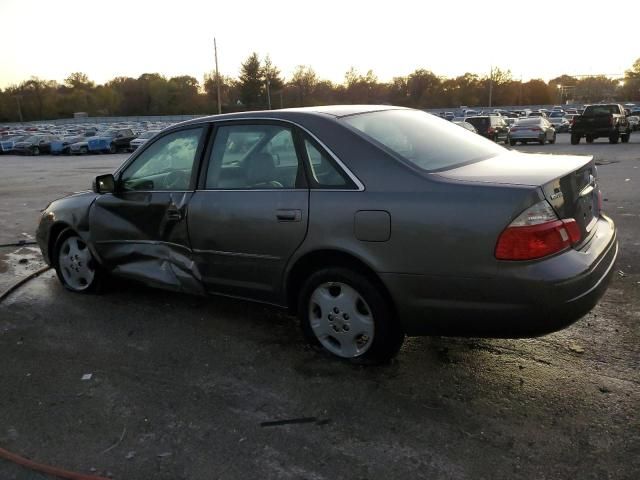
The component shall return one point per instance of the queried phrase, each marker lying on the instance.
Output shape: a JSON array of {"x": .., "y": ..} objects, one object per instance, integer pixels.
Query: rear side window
[
  {"x": 253, "y": 157},
  {"x": 424, "y": 140},
  {"x": 481, "y": 123},
  {"x": 324, "y": 173}
]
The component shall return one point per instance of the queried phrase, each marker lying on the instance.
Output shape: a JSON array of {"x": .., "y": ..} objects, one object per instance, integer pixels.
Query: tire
[
  {"x": 625, "y": 138},
  {"x": 553, "y": 140},
  {"x": 512, "y": 142},
  {"x": 113, "y": 148},
  {"x": 575, "y": 139},
  {"x": 613, "y": 138},
  {"x": 339, "y": 304},
  {"x": 84, "y": 150},
  {"x": 75, "y": 266},
  {"x": 35, "y": 151},
  {"x": 589, "y": 139}
]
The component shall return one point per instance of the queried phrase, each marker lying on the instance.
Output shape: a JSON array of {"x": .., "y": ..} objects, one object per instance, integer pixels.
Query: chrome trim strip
[
  {"x": 143, "y": 242},
  {"x": 236, "y": 254}
]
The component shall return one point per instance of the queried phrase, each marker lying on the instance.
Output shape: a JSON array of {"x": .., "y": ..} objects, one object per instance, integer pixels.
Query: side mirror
[{"x": 104, "y": 184}]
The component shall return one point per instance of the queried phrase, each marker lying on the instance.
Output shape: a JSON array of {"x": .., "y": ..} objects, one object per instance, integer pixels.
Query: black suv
[{"x": 490, "y": 126}]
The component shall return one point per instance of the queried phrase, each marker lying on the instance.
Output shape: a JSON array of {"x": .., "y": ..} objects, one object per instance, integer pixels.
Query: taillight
[{"x": 537, "y": 233}]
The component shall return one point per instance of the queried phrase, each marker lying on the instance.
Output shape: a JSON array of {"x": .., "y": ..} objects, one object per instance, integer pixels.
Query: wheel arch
[
  {"x": 317, "y": 259},
  {"x": 54, "y": 233}
]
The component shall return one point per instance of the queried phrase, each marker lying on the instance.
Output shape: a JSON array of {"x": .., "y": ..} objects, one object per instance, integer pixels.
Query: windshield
[{"x": 425, "y": 140}]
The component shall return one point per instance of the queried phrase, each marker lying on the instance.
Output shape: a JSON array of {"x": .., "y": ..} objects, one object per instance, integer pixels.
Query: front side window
[
  {"x": 253, "y": 157},
  {"x": 166, "y": 165}
]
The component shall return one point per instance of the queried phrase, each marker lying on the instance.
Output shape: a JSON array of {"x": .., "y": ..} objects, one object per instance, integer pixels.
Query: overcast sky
[{"x": 534, "y": 39}]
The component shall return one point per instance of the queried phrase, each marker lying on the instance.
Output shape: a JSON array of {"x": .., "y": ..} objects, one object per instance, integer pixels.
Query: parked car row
[
  {"x": 612, "y": 121},
  {"x": 77, "y": 139}
]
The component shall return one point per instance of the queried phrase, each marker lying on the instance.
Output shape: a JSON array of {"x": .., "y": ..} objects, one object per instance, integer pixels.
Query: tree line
[{"x": 260, "y": 84}]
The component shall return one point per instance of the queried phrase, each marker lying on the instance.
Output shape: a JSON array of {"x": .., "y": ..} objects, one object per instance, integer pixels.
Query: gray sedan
[
  {"x": 532, "y": 129},
  {"x": 371, "y": 223}
]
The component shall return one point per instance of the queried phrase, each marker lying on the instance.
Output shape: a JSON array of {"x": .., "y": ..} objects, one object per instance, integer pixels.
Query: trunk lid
[{"x": 569, "y": 182}]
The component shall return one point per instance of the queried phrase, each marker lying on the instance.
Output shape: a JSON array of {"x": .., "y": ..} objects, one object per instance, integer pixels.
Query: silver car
[
  {"x": 532, "y": 129},
  {"x": 141, "y": 139},
  {"x": 369, "y": 222}
]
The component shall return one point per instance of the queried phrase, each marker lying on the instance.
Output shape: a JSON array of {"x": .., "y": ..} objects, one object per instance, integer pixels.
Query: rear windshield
[
  {"x": 601, "y": 110},
  {"x": 424, "y": 140},
  {"x": 529, "y": 121},
  {"x": 478, "y": 122}
]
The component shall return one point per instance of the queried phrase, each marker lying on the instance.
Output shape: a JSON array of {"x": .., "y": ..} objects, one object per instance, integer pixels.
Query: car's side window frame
[
  {"x": 301, "y": 182},
  {"x": 197, "y": 161},
  {"x": 350, "y": 184}
]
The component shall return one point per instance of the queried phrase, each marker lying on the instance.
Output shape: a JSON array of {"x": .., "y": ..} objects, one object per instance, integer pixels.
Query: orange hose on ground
[{"x": 38, "y": 467}]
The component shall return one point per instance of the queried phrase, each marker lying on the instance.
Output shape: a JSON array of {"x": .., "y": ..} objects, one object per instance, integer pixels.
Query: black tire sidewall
[{"x": 388, "y": 335}]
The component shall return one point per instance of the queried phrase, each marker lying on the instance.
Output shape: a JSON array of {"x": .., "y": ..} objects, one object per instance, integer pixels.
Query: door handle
[
  {"x": 174, "y": 214},
  {"x": 289, "y": 215}
]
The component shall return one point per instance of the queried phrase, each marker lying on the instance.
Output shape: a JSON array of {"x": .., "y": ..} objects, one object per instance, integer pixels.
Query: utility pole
[
  {"x": 490, "y": 85},
  {"x": 215, "y": 52},
  {"x": 268, "y": 85},
  {"x": 18, "y": 97}
]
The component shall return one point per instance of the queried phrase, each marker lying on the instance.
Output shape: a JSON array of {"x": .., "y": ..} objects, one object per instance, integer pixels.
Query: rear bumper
[
  {"x": 594, "y": 132},
  {"x": 524, "y": 299}
]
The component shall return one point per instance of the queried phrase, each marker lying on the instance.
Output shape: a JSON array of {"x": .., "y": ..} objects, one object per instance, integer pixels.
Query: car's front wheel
[
  {"x": 75, "y": 266},
  {"x": 343, "y": 311},
  {"x": 35, "y": 151}
]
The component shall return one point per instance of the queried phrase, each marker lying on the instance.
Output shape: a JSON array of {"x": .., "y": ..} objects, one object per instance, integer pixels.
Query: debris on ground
[
  {"x": 86, "y": 376},
  {"x": 576, "y": 348}
]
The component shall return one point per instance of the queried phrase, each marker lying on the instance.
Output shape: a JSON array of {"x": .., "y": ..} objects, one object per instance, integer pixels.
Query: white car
[
  {"x": 142, "y": 139},
  {"x": 634, "y": 122}
]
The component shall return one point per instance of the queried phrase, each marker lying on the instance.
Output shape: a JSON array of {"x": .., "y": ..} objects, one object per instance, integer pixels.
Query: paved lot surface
[{"x": 181, "y": 385}]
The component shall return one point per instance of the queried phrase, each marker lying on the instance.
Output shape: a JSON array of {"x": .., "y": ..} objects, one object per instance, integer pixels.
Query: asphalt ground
[{"x": 186, "y": 387}]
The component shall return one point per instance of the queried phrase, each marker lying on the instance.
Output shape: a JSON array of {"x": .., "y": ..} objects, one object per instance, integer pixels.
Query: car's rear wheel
[
  {"x": 84, "y": 150},
  {"x": 113, "y": 148},
  {"x": 344, "y": 312},
  {"x": 575, "y": 139},
  {"x": 75, "y": 266},
  {"x": 35, "y": 151},
  {"x": 625, "y": 138},
  {"x": 512, "y": 142},
  {"x": 613, "y": 138},
  {"x": 589, "y": 139}
]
